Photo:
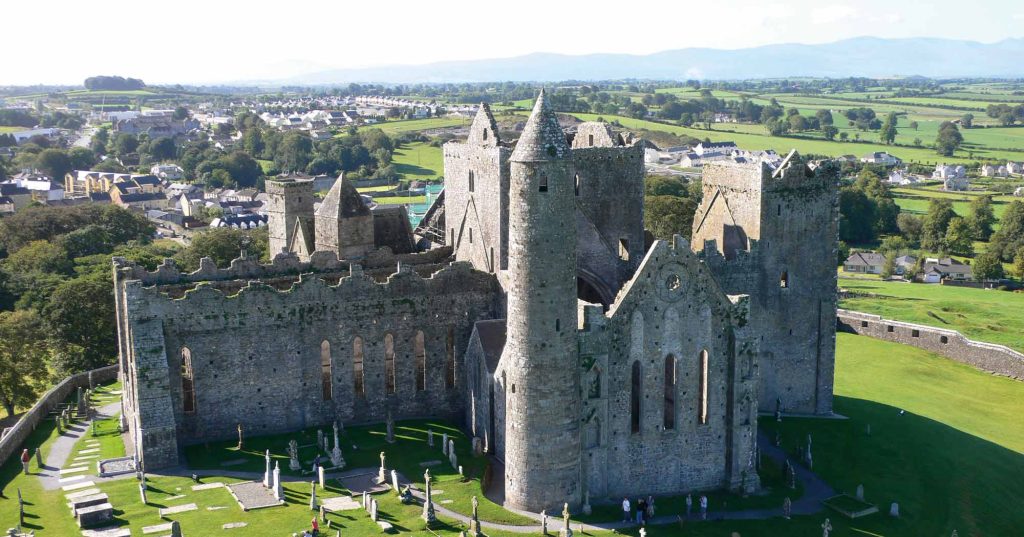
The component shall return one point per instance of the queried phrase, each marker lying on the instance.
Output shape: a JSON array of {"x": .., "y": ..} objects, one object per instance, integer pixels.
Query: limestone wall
[
  {"x": 14, "y": 441},
  {"x": 997, "y": 359},
  {"x": 476, "y": 211},
  {"x": 257, "y": 352},
  {"x": 672, "y": 307}
]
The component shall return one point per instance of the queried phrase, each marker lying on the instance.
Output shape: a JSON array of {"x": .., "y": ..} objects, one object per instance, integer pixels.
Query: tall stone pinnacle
[{"x": 542, "y": 138}]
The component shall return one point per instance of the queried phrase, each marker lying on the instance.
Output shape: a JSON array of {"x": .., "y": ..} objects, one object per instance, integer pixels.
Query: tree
[
  {"x": 54, "y": 163},
  {"x": 936, "y": 223},
  {"x": 1009, "y": 239},
  {"x": 797, "y": 123},
  {"x": 889, "y": 268},
  {"x": 948, "y": 139},
  {"x": 987, "y": 266},
  {"x": 982, "y": 217},
  {"x": 910, "y": 227},
  {"x": 295, "y": 151},
  {"x": 967, "y": 120},
  {"x": 126, "y": 144},
  {"x": 180, "y": 113},
  {"x": 666, "y": 216},
  {"x": 162, "y": 149},
  {"x": 22, "y": 358},
  {"x": 960, "y": 237},
  {"x": 220, "y": 244},
  {"x": 1018, "y": 264},
  {"x": 81, "y": 314},
  {"x": 824, "y": 117},
  {"x": 829, "y": 132},
  {"x": 888, "y": 132},
  {"x": 81, "y": 158},
  {"x": 914, "y": 125},
  {"x": 843, "y": 136}
]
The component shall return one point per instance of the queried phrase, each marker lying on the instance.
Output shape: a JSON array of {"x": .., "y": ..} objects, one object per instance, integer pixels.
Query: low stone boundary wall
[
  {"x": 12, "y": 442},
  {"x": 998, "y": 359}
]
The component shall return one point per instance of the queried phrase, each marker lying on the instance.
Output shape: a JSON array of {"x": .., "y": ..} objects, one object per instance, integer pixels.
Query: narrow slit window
[
  {"x": 590, "y": 139},
  {"x": 624, "y": 249},
  {"x": 471, "y": 180},
  {"x": 389, "y": 363},
  {"x": 421, "y": 362},
  {"x": 634, "y": 399},
  {"x": 784, "y": 280},
  {"x": 357, "y": 367},
  {"x": 670, "y": 393},
  {"x": 188, "y": 391},
  {"x": 577, "y": 184},
  {"x": 325, "y": 370},
  {"x": 449, "y": 361},
  {"x": 485, "y": 134},
  {"x": 471, "y": 235},
  {"x": 543, "y": 183},
  {"x": 558, "y": 325},
  {"x": 702, "y": 402}
]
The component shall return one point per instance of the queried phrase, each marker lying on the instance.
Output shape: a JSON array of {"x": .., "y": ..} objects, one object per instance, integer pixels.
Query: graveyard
[{"x": 909, "y": 436}]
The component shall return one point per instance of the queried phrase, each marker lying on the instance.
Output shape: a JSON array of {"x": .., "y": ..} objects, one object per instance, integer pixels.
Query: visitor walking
[
  {"x": 650, "y": 507},
  {"x": 25, "y": 458},
  {"x": 316, "y": 527},
  {"x": 625, "y": 509},
  {"x": 703, "y": 507},
  {"x": 689, "y": 506},
  {"x": 641, "y": 509}
]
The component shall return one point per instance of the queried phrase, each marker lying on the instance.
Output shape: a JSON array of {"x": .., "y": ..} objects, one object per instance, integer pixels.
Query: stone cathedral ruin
[{"x": 534, "y": 311}]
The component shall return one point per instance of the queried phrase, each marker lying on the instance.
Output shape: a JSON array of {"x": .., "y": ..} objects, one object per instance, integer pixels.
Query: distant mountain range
[{"x": 861, "y": 56}]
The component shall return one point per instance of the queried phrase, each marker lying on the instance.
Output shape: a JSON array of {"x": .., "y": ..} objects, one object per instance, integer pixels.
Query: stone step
[
  {"x": 76, "y": 486},
  {"x": 81, "y": 494}
]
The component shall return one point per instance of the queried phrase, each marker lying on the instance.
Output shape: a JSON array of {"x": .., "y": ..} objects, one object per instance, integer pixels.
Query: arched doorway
[{"x": 590, "y": 289}]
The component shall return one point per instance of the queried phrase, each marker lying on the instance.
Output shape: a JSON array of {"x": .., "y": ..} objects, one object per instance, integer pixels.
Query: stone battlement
[{"x": 284, "y": 264}]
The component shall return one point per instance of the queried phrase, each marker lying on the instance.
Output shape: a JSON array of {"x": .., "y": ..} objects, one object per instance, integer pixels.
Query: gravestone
[
  {"x": 175, "y": 528},
  {"x": 586, "y": 503},
  {"x": 241, "y": 443},
  {"x": 312, "y": 496},
  {"x": 366, "y": 501},
  {"x": 428, "y": 502},
  {"x": 336, "y": 458},
  {"x": 430, "y": 437},
  {"x": 860, "y": 492},
  {"x": 474, "y": 521},
  {"x": 39, "y": 457},
  {"x": 460, "y": 471},
  {"x": 478, "y": 446},
  {"x": 373, "y": 510},
  {"x": 787, "y": 508},
  {"x": 267, "y": 475},
  {"x": 323, "y": 515},
  {"x": 320, "y": 439},
  {"x": 543, "y": 522},
  {"x": 444, "y": 443},
  {"x": 278, "y": 490},
  {"x": 142, "y": 494},
  {"x": 566, "y": 530},
  {"x": 453, "y": 459},
  {"x": 389, "y": 424},
  {"x": 382, "y": 476},
  {"x": 320, "y": 472},
  {"x": 394, "y": 481},
  {"x": 293, "y": 455},
  {"x": 894, "y": 510}
]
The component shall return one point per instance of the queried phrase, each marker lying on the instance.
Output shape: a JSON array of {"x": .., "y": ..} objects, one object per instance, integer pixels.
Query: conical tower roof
[
  {"x": 542, "y": 138},
  {"x": 342, "y": 201}
]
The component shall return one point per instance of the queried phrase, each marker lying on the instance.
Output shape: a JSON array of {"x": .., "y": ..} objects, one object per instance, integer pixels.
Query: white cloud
[{"x": 832, "y": 14}]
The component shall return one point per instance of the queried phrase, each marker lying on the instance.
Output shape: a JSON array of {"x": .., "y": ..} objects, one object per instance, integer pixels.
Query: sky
[{"x": 217, "y": 41}]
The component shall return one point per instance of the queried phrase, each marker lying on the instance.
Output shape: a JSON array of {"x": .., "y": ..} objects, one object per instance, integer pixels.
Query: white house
[
  {"x": 881, "y": 157},
  {"x": 944, "y": 171},
  {"x": 956, "y": 184},
  {"x": 989, "y": 170}
]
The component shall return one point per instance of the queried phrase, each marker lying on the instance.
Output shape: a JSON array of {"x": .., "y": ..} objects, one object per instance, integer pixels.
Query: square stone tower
[
  {"x": 773, "y": 234},
  {"x": 289, "y": 200}
]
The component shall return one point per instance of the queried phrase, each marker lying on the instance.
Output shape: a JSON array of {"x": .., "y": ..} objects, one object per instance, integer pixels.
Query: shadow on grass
[
  {"x": 942, "y": 478},
  {"x": 412, "y": 169}
]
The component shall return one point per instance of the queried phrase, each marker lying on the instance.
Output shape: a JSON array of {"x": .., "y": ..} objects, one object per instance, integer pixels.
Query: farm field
[
  {"x": 4, "y": 129},
  {"x": 414, "y": 125},
  {"x": 991, "y": 316},
  {"x": 418, "y": 161}
]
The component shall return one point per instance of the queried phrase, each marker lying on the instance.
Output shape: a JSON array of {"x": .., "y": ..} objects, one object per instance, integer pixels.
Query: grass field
[
  {"x": 401, "y": 200},
  {"x": 4, "y": 129},
  {"x": 414, "y": 125},
  {"x": 986, "y": 315},
  {"x": 947, "y": 468},
  {"x": 418, "y": 161}
]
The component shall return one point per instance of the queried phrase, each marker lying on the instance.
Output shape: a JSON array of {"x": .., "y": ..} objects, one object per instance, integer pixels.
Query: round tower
[{"x": 542, "y": 416}]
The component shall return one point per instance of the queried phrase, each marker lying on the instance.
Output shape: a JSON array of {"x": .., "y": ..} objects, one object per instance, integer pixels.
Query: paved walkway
[{"x": 64, "y": 445}]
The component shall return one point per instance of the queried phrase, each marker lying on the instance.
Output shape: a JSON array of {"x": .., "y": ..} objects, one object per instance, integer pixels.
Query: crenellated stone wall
[{"x": 258, "y": 353}]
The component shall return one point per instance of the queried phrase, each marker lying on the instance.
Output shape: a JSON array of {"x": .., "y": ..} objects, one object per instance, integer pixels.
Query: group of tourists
[{"x": 642, "y": 511}]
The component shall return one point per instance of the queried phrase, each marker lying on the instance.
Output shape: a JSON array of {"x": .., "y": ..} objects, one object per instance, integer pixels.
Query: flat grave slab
[
  {"x": 341, "y": 503},
  {"x": 88, "y": 451},
  {"x": 81, "y": 494},
  {"x": 76, "y": 486},
  {"x": 178, "y": 509},
  {"x": 175, "y": 498},
  {"x": 94, "y": 515},
  {"x": 360, "y": 483},
  {"x": 157, "y": 528},
  {"x": 208, "y": 486},
  {"x": 253, "y": 495},
  {"x": 233, "y": 525},
  {"x": 72, "y": 479}
]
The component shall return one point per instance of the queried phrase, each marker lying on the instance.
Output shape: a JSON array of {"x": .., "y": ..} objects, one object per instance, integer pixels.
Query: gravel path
[{"x": 64, "y": 445}]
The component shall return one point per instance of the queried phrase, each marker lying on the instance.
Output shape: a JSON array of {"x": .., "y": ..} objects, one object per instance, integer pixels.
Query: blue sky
[{"x": 206, "y": 41}]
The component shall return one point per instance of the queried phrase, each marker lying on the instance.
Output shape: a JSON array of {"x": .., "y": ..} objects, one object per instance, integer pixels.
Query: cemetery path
[{"x": 64, "y": 445}]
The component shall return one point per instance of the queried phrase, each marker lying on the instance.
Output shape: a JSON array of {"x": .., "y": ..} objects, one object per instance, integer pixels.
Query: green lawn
[
  {"x": 418, "y": 161},
  {"x": 4, "y": 129},
  {"x": 986, "y": 315},
  {"x": 400, "y": 200}
]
